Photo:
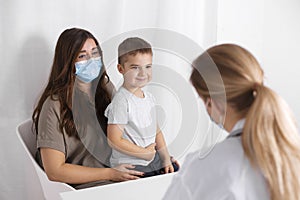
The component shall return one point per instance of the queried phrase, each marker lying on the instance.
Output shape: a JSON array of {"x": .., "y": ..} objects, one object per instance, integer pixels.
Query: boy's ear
[{"x": 120, "y": 68}]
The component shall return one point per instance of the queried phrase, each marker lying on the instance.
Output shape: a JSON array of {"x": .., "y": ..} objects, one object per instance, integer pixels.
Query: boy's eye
[
  {"x": 148, "y": 66},
  {"x": 134, "y": 67}
]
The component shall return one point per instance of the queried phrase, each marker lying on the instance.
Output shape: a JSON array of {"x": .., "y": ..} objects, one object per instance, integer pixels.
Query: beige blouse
[{"x": 90, "y": 150}]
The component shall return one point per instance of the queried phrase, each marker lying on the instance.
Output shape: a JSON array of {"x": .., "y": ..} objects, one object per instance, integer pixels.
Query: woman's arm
[
  {"x": 57, "y": 170},
  {"x": 116, "y": 141}
]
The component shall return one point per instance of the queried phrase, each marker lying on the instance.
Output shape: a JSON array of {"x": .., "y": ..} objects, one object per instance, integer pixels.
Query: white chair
[
  {"x": 50, "y": 189},
  {"x": 145, "y": 188}
]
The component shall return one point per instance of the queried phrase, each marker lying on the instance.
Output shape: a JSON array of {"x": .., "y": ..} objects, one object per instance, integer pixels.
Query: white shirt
[
  {"x": 224, "y": 173},
  {"x": 139, "y": 117}
]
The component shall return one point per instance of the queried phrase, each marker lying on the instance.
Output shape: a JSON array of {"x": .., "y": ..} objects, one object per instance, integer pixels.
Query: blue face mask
[{"x": 88, "y": 70}]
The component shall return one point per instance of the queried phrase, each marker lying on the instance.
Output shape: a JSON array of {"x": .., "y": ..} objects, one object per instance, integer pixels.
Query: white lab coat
[{"x": 223, "y": 173}]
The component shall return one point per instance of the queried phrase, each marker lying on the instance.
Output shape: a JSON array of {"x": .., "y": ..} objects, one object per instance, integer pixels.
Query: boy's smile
[{"x": 137, "y": 71}]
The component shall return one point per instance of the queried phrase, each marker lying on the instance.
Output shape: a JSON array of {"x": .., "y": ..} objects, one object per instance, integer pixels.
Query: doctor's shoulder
[
  {"x": 224, "y": 152},
  {"x": 222, "y": 159}
]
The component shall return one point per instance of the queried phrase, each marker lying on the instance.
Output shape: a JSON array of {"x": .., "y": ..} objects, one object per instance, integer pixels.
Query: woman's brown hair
[
  {"x": 270, "y": 137},
  {"x": 62, "y": 77}
]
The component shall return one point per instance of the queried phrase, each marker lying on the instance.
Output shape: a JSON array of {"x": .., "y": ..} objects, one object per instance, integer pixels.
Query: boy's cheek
[{"x": 129, "y": 76}]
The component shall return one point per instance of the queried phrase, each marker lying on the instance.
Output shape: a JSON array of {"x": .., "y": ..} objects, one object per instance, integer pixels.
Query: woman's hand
[{"x": 124, "y": 172}]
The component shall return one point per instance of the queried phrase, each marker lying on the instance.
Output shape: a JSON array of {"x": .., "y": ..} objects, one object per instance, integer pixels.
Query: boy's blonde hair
[{"x": 132, "y": 46}]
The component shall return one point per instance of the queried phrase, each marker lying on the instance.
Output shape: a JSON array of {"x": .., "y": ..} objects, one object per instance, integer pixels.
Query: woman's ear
[
  {"x": 208, "y": 102},
  {"x": 208, "y": 105}
]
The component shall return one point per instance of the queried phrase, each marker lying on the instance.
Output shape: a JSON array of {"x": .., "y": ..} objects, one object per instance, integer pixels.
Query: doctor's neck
[{"x": 231, "y": 118}]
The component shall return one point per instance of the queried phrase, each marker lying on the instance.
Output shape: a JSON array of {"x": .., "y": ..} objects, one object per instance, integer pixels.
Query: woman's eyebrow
[
  {"x": 83, "y": 51},
  {"x": 94, "y": 48}
]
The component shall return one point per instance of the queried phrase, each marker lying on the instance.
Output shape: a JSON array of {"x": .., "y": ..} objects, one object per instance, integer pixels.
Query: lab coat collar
[{"x": 237, "y": 129}]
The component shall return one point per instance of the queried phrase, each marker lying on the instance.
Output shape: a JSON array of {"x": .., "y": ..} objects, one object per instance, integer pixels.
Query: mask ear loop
[{"x": 221, "y": 118}]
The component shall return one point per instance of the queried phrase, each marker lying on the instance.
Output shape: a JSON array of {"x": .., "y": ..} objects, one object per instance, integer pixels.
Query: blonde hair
[{"x": 270, "y": 137}]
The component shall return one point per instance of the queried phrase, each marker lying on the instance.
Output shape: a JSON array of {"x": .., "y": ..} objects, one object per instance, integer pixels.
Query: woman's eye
[
  {"x": 95, "y": 54},
  {"x": 82, "y": 56}
]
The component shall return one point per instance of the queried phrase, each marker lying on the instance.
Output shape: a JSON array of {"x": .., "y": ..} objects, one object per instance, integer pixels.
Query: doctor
[{"x": 260, "y": 159}]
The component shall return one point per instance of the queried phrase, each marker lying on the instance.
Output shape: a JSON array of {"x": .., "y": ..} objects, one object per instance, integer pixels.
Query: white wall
[
  {"x": 270, "y": 29},
  {"x": 281, "y": 50}
]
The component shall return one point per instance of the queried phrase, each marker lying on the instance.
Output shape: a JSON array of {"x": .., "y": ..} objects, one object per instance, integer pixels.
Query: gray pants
[{"x": 154, "y": 168}]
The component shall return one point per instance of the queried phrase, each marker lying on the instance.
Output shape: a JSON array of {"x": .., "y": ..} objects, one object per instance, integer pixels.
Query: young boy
[{"x": 132, "y": 130}]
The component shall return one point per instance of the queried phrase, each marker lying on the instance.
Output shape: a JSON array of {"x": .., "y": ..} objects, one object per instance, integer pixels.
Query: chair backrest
[{"x": 51, "y": 189}]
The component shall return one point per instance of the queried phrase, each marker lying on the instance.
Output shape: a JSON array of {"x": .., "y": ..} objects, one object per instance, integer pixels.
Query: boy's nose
[{"x": 142, "y": 71}]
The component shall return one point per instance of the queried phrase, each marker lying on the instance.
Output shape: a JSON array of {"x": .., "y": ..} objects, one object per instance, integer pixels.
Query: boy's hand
[
  {"x": 151, "y": 151},
  {"x": 168, "y": 167}
]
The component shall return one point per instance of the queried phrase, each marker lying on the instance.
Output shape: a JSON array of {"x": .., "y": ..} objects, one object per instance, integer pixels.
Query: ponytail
[{"x": 271, "y": 142}]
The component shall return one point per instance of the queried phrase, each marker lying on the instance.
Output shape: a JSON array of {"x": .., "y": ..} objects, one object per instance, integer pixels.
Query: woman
[
  {"x": 260, "y": 159},
  {"x": 67, "y": 116}
]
